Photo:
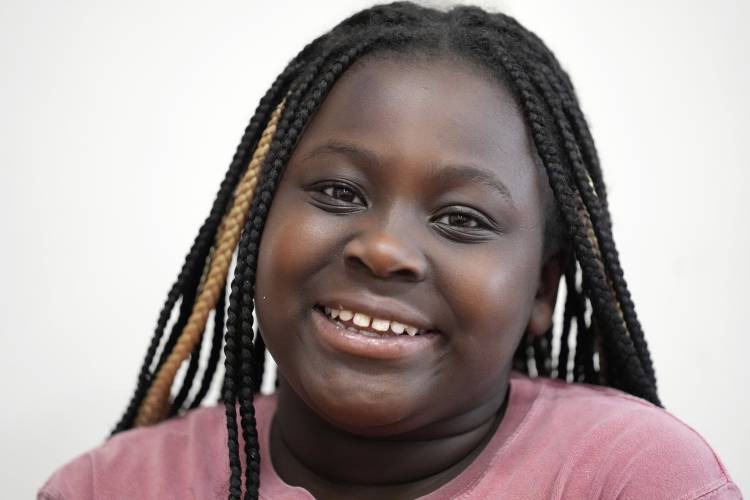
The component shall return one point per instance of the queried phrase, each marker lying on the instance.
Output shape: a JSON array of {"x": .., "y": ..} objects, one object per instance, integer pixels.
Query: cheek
[
  {"x": 295, "y": 246},
  {"x": 492, "y": 296},
  {"x": 280, "y": 261}
]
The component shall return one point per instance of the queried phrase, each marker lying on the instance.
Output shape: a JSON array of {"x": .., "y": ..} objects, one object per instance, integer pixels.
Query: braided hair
[{"x": 610, "y": 348}]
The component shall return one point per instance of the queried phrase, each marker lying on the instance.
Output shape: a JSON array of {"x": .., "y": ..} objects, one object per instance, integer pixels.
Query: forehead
[
  {"x": 452, "y": 102},
  {"x": 420, "y": 111}
]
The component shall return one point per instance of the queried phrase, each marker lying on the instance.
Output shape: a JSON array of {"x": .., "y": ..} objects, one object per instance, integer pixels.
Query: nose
[{"x": 386, "y": 255}]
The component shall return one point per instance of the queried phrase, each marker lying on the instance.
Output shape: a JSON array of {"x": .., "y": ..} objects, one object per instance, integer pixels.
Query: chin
[{"x": 362, "y": 408}]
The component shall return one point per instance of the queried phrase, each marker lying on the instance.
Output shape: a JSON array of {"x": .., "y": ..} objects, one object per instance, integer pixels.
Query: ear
[{"x": 543, "y": 308}]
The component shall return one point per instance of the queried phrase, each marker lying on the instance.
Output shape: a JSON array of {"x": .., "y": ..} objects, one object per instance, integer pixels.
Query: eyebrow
[
  {"x": 345, "y": 149},
  {"x": 473, "y": 173},
  {"x": 445, "y": 173}
]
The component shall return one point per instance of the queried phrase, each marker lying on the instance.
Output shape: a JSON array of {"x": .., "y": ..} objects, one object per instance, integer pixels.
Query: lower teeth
[
  {"x": 362, "y": 332},
  {"x": 352, "y": 329}
]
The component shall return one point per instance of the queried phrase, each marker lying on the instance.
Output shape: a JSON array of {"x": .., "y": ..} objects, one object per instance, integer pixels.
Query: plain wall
[{"x": 118, "y": 120}]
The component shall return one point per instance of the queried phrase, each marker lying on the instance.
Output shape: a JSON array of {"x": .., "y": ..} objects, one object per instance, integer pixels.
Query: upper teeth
[{"x": 378, "y": 324}]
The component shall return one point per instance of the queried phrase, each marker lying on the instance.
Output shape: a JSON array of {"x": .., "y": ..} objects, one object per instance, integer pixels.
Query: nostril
[
  {"x": 404, "y": 273},
  {"x": 377, "y": 269},
  {"x": 386, "y": 256},
  {"x": 355, "y": 261},
  {"x": 358, "y": 264},
  {"x": 385, "y": 267}
]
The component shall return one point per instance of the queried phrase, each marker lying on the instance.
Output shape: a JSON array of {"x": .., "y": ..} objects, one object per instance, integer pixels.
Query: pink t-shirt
[{"x": 555, "y": 441}]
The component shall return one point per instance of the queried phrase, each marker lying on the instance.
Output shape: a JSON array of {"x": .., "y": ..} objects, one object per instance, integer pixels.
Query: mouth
[
  {"x": 370, "y": 326},
  {"x": 362, "y": 335}
]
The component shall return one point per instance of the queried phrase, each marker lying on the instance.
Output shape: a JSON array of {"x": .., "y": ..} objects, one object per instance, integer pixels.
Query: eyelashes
[
  {"x": 464, "y": 226},
  {"x": 342, "y": 194},
  {"x": 457, "y": 223},
  {"x": 339, "y": 198},
  {"x": 460, "y": 219}
]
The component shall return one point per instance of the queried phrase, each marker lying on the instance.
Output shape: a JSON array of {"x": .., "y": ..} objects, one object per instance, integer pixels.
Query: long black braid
[
  {"x": 610, "y": 348},
  {"x": 195, "y": 261}
]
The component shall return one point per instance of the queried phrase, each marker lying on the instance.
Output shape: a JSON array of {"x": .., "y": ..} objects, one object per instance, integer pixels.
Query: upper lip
[{"x": 382, "y": 308}]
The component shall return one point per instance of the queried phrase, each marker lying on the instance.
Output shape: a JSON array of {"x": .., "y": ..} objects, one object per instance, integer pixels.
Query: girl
[{"x": 404, "y": 204}]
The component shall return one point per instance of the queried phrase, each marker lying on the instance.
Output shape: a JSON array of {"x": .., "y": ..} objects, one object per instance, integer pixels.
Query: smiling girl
[{"x": 404, "y": 204}]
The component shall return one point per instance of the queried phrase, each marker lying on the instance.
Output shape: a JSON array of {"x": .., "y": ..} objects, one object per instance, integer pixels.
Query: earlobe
[
  {"x": 543, "y": 309},
  {"x": 540, "y": 319}
]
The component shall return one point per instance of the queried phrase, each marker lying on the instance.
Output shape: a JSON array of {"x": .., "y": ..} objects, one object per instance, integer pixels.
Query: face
[{"x": 412, "y": 197}]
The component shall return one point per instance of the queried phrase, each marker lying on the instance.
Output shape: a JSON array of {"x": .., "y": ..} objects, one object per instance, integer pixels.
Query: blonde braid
[{"x": 156, "y": 403}]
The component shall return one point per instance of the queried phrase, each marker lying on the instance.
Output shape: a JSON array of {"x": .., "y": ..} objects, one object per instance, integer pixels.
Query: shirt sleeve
[
  {"x": 664, "y": 458},
  {"x": 180, "y": 458},
  {"x": 73, "y": 480}
]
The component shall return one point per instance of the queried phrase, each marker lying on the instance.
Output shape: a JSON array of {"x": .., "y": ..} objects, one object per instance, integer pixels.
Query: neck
[{"x": 308, "y": 451}]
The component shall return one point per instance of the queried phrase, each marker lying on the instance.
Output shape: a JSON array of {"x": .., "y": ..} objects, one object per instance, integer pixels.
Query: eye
[
  {"x": 465, "y": 226},
  {"x": 459, "y": 219},
  {"x": 337, "y": 197},
  {"x": 342, "y": 192}
]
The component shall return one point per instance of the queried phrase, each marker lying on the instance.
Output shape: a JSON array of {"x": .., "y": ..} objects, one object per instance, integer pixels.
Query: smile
[
  {"x": 364, "y": 324},
  {"x": 366, "y": 336}
]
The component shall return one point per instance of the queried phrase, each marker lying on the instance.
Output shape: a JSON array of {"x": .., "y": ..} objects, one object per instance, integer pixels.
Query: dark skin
[{"x": 415, "y": 184}]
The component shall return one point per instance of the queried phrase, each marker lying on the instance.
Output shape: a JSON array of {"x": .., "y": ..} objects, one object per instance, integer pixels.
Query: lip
[
  {"x": 386, "y": 347},
  {"x": 382, "y": 308}
]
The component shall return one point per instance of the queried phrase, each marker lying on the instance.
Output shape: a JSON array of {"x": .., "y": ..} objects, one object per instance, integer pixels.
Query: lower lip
[{"x": 387, "y": 347}]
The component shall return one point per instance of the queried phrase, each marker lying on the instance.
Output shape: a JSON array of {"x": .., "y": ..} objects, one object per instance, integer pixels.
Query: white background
[{"x": 118, "y": 120}]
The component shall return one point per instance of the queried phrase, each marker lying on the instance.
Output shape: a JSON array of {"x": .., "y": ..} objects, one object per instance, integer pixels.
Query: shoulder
[
  {"x": 627, "y": 446},
  {"x": 183, "y": 457},
  {"x": 594, "y": 411}
]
